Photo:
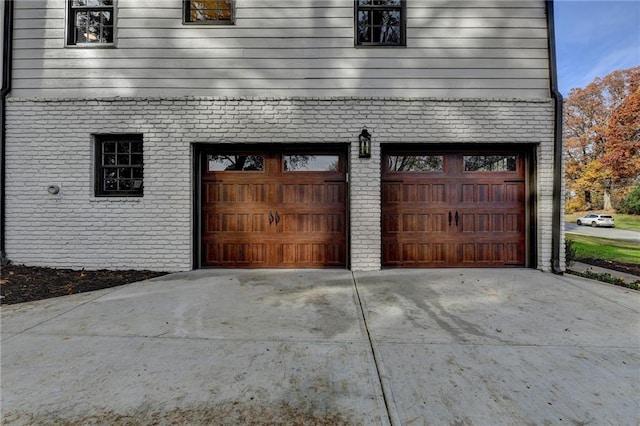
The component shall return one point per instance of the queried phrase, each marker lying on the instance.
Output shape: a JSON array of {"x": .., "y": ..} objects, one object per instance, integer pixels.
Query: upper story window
[
  {"x": 380, "y": 22},
  {"x": 208, "y": 11},
  {"x": 90, "y": 22}
]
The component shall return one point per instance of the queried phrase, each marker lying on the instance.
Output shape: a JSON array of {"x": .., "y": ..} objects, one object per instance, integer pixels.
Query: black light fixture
[{"x": 364, "y": 146}]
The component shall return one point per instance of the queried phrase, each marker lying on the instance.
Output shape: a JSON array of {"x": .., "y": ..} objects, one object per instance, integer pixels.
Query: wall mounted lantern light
[{"x": 364, "y": 146}]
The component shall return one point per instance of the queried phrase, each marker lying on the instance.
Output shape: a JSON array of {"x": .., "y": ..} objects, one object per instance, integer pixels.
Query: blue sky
[{"x": 595, "y": 37}]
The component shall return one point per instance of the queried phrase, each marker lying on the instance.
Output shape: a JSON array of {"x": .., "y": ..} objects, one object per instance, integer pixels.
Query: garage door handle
[
  {"x": 277, "y": 218},
  {"x": 270, "y": 218},
  {"x": 449, "y": 218},
  {"x": 456, "y": 218}
]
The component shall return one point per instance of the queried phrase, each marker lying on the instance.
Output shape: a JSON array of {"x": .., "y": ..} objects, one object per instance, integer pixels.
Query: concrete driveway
[{"x": 401, "y": 347}]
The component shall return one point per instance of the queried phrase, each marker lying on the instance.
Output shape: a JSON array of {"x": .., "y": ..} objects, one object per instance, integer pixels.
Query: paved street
[{"x": 612, "y": 233}]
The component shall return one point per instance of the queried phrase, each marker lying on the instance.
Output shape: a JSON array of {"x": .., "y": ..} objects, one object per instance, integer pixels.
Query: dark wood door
[
  {"x": 275, "y": 210},
  {"x": 453, "y": 210}
]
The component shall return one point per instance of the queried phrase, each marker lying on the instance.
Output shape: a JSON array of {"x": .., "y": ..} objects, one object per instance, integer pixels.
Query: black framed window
[
  {"x": 90, "y": 22},
  {"x": 380, "y": 22},
  {"x": 208, "y": 12},
  {"x": 119, "y": 166}
]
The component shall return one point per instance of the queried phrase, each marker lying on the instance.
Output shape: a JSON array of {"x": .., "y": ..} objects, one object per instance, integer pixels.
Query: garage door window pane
[
  {"x": 490, "y": 163},
  {"x": 416, "y": 163},
  {"x": 311, "y": 163},
  {"x": 227, "y": 162}
]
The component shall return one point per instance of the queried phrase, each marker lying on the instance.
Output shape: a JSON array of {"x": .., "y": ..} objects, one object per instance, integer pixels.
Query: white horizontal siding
[{"x": 492, "y": 48}]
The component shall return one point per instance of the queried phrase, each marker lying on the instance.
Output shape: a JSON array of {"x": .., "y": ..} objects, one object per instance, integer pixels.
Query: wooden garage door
[
  {"x": 274, "y": 209},
  {"x": 453, "y": 210}
]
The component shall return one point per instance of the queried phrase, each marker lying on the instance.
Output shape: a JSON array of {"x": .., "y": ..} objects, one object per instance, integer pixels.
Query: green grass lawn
[
  {"x": 623, "y": 221},
  {"x": 606, "y": 249}
]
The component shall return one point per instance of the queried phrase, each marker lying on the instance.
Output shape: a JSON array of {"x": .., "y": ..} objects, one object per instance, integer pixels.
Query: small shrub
[
  {"x": 569, "y": 251},
  {"x": 631, "y": 203}
]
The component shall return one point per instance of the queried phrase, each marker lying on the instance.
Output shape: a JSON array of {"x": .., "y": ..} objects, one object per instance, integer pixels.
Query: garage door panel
[
  {"x": 336, "y": 223},
  {"x": 391, "y": 193},
  {"x": 513, "y": 254},
  {"x": 235, "y": 254},
  {"x": 513, "y": 223},
  {"x": 391, "y": 223},
  {"x": 335, "y": 193},
  {"x": 310, "y": 254},
  {"x": 410, "y": 193},
  {"x": 514, "y": 193},
  {"x": 409, "y": 223},
  {"x": 335, "y": 254},
  {"x": 416, "y": 254},
  {"x": 497, "y": 222},
  {"x": 435, "y": 193},
  {"x": 217, "y": 222},
  {"x": 467, "y": 223},
  {"x": 220, "y": 193},
  {"x": 468, "y": 193}
]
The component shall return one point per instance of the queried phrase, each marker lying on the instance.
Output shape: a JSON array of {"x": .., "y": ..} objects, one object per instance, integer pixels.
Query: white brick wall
[{"x": 49, "y": 142}]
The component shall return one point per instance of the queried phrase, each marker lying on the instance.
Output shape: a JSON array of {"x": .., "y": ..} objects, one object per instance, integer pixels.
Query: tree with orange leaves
[{"x": 602, "y": 139}]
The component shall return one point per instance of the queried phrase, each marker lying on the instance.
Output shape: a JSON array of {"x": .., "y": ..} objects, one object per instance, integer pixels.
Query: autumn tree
[{"x": 602, "y": 139}]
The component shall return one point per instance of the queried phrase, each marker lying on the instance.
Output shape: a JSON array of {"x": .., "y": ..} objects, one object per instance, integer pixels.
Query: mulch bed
[
  {"x": 21, "y": 283},
  {"x": 628, "y": 268}
]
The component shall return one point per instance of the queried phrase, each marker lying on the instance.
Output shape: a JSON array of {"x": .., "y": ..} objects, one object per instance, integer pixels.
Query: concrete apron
[{"x": 473, "y": 347}]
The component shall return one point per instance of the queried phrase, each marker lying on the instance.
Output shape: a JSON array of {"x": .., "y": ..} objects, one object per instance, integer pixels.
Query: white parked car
[{"x": 596, "y": 220}]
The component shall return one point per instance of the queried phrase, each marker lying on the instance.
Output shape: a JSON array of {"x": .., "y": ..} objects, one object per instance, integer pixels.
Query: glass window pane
[
  {"x": 364, "y": 35},
  {"x": 136, "y": 159},
  {"x": 229, "y": 162},
  {"x": 126, "y": 184},
  {"x": 123, "y": 159},
  {"x": 210, "y": 10},
  {"x": 136, "y": 147},
  {"x": 490, "y": 163},
  {"x": 311, "y": 163},
  {"x": 109, "y": 159},
  {"x": 124, "y": 173},
  {"x": 110, "y": 184},
  {"x": 416, "y": 163},
  {"x": 124, "y": 147}
]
